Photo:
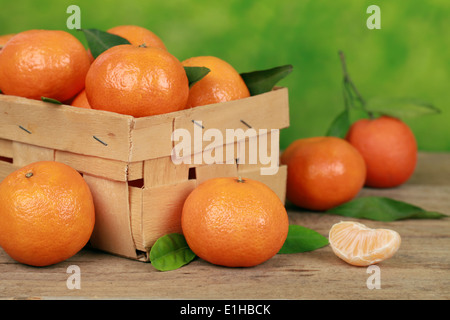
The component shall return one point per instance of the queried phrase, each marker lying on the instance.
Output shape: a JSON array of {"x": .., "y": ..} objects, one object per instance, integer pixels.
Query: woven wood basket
[{"x": 138, "y": 190}]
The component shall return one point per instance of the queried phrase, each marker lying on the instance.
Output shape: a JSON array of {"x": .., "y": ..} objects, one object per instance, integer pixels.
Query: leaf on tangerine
[
  {"x": 50, "y": 100},
  {"x": 264, "y": 80},
  {"x": 100, "y": 41},
  {"x": 195, "y": 74},
  {"x": 340, "y": 125}
]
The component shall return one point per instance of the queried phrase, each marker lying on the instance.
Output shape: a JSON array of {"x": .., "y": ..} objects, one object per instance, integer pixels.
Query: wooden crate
[{"x": 138, "y": 190}]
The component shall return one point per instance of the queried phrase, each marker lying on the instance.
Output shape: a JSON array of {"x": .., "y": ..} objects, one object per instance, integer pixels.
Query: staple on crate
[
  {"x": 244, "y": 122},
  {"x": 198, "y": 124},
  {"x": 102, "y": 142},
  {"x": 26, "y": 130}
]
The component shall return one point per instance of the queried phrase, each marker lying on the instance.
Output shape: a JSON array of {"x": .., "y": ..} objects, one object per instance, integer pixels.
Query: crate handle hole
[
  {"x": 192, "y": 174},
  {"x": 139, "y": 183},
  {"x": 6, "y": 159}
]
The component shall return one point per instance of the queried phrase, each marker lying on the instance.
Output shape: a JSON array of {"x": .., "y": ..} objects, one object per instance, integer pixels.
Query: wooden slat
[
  {"x": 112, "y": 230},
  {"x": 276, "y": 182},
  {"x": 265, "y": 111},
  {"x": 161, "y": 210},
  {"x": 135, "y": 170},
  {"x": 65, "y": 128},
  {"x": 6, "y": 168},
  {"x": 204, "y": 173},
  {"x": 260, "y": 153},
  {"x": 163, "y": 171},
  {"x": 6, "y": 149},
  {"x": 151, "y": 137},
  {"x": 131, "y": 139},
  {"x": 111, "y": 169},
  {"x": 136, "y": 217},
  {"x": 226, "y": 154},
  {"x": 24, "y": 154}
]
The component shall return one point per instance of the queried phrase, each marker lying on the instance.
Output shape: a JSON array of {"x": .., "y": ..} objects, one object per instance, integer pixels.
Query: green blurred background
[{"x": 408, "y": 57}]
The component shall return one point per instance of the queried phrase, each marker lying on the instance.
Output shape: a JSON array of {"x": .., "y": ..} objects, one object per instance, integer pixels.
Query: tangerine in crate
[
  {"x": 223, "y": 83},
  {"x": 43, "y": 63},
  {"x": 138, "y": 36},
  {"x": 137, "y": 81}
]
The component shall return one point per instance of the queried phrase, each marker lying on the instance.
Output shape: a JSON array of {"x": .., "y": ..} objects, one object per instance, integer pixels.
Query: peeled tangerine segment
[{"x": 359, "y": 245}]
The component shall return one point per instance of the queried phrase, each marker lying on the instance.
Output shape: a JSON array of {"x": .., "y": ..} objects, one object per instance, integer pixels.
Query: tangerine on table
[
  {"x": 359, "y": 245},
  {"x": 223, "y": 83},
  {"x": 323, "y": 172},
  {"x": 389, "y": 149},
  {"x": 137, "y": 81},
  {"x": 46, "y": 213},
  {"x": 43, "y": 63},
  {"x": 234, "y": 222},
  {"x": 137, "y": 35}
]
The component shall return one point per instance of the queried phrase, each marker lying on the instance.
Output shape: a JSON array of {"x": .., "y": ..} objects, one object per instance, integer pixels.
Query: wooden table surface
[{"x": 419, "y": 270}]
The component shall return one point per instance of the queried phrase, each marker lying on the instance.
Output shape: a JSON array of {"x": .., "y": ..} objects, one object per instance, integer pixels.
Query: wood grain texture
[
  {"x": 112, "y": 230},
  {"x": 114, "y": 136},
  {"x": 66, "y": 128},
  {"x": 420, "y": 269}
]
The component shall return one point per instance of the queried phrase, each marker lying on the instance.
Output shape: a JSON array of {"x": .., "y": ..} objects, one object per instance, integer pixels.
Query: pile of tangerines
[
  {"x": 46, "y": 209},
  {"x": 139, "y": 79}
]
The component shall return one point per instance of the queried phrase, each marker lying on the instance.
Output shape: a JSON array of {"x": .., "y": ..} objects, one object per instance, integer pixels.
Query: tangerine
[
  {"x": 5, "y": 38},
  {"x": 138, "y": 36},
  {"x": 389, "y": 149},
  {"x": 323, "y": 172},
  {"x": 46, "y": 213},
  {"x": 359, "y": 245},
  {"x": 43, "y": 63},
  {"x": 234, "y": 222},
  {"x": 223, "y": 83},
  {"x": 81, "y": 101},
  {"x": 137, "y": 81}
]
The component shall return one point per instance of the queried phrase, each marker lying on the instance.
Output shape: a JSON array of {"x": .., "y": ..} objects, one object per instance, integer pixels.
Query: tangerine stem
[
  {"x": 29, "y": 175},
  {"x": 348, "y": 81},
  {"x": 240, "y": 180}
]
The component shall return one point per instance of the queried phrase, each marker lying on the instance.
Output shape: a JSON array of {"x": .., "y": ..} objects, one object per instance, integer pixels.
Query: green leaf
[
  {"x": 264, "y": 80},
  {"x": 45, "y": 99},
  {"x": 171, "y": 252},
  {"x": 302, "y": 239},
  {"x": 401, "y": 107},
  {"x": 100, "y": 41},
  {"x": 196, "y": 74},
  {"x": 382, "y": 209},
  {"x": 340, "y": 125}
]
